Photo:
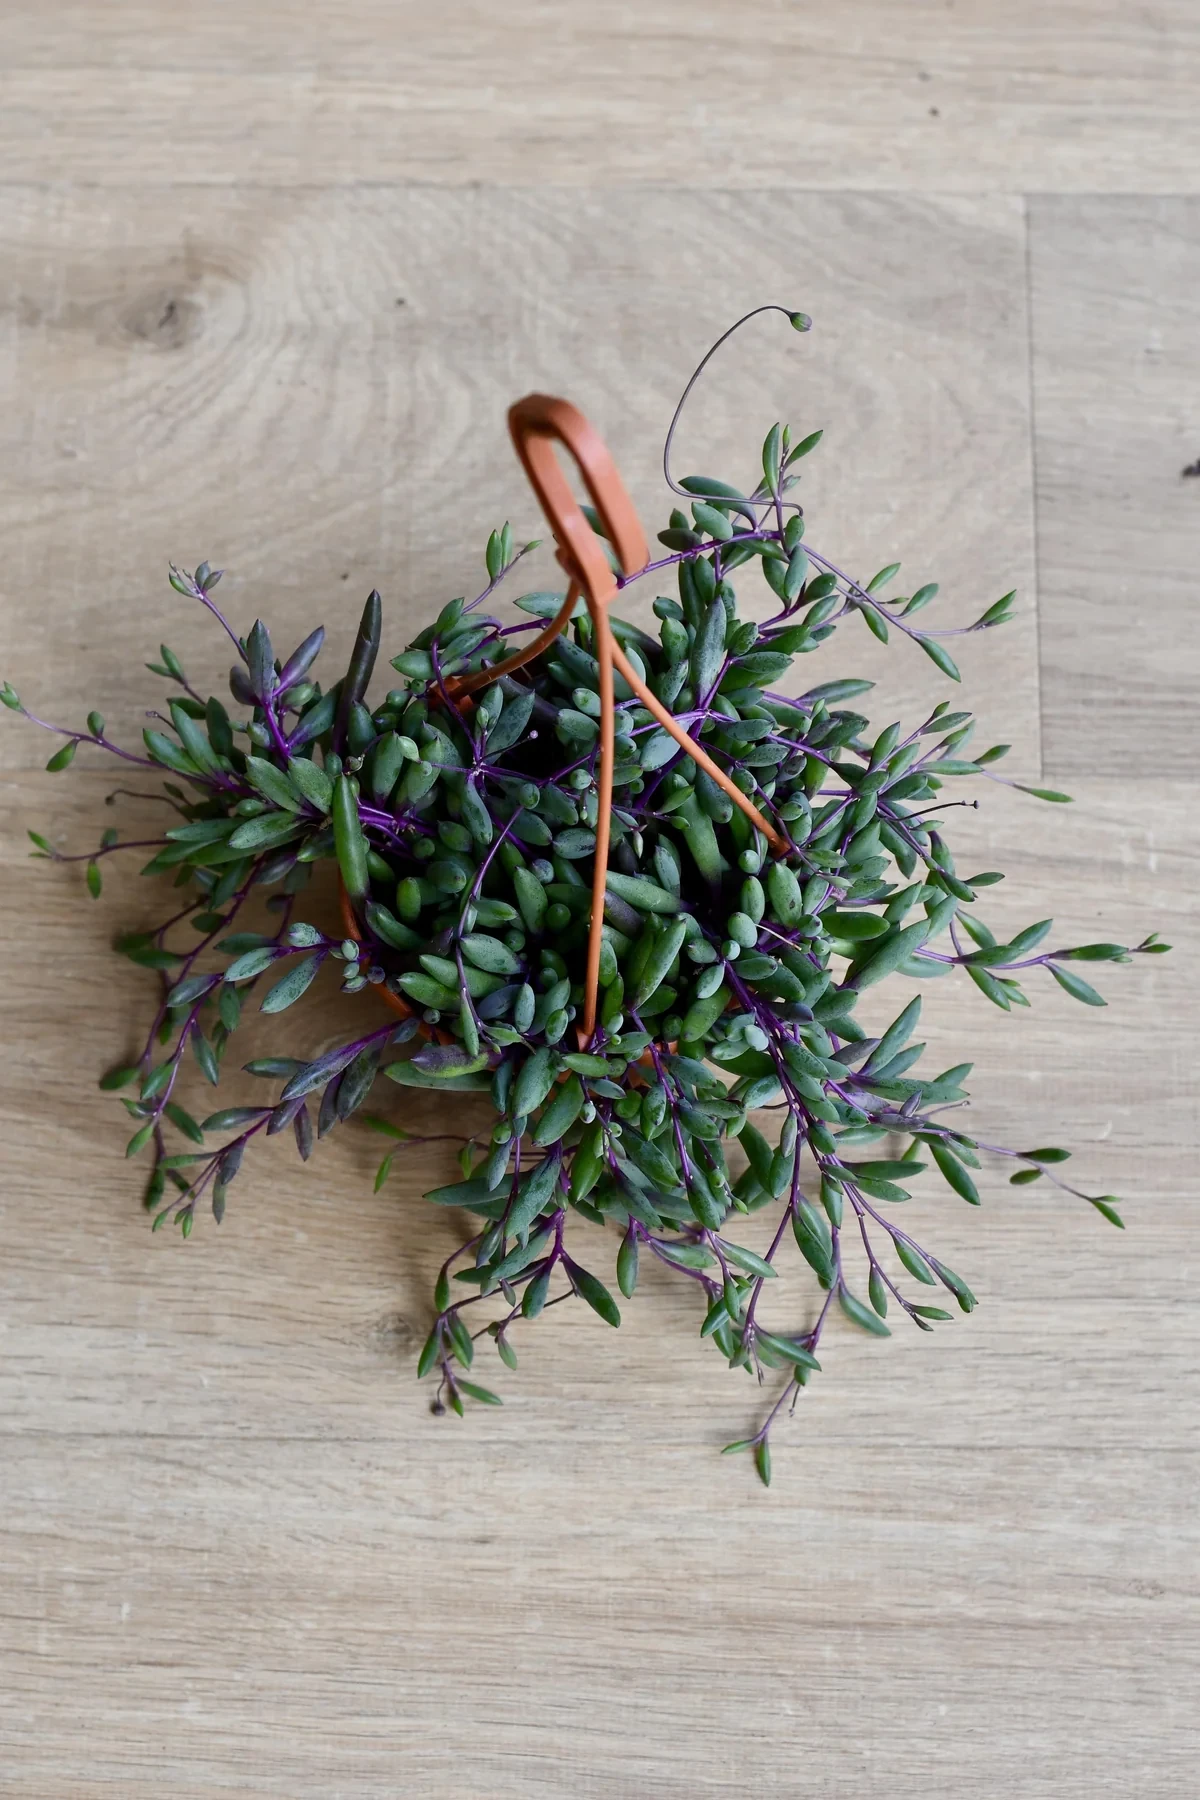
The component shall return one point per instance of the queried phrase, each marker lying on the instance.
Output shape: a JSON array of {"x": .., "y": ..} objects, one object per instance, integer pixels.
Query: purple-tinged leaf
[
  {"x": 260, "y": 661},
  {"x": 296, "y": 982},
  {"x": 233, "y": 1118},
  {"x": 302, "y": 658},
  {"x": 308, "y": 1076}
]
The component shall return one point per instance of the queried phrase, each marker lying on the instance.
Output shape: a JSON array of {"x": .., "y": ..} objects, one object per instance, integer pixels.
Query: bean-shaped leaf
[
  {"x": 475, "y": 1392},
  {"x": 314, "y": 721},
  {"x": 783, "y": 890},
  {"x": 416, "y": 665},
  {"x": 862, "y": 1315},
  {"x": 349, "y": 841},
  {"x": 749, "y": 1260},
  {"x": 520, "y": 1258},
  {"x": 575, "y": 843},
  {"x": 689, "y": 1256},
  {"x": 708, "y": 650},
  {"x": 311, "y": 783},
  {"x": 272, "y": 783},
  {"x": 191, "y": 988},
  {"x": 853, "y": 927},
  {"x": 533, "y": 1083},
  {"x": 316, "y": 1074},
  {"x": 531, "y": 898},
  {"x": 266, "y": 831},
  {"x": 957, "y": 1286},
  {"x": 476, "y": 817},
  {"x": 703, "y": 1014},
  {"x": 388, "y": 927},
  {"x": 183, "y": 1121},
  {"x": 653, "y": 1162},
  {"x": 713, "y": 522},
  {"x": 1076, "y": 986},
  {"x": 251, "y": 962},
  {"x": 882, "y": 1169},
  {"x": 701, "y": 838},
  {"x": 942, "y": 657},
  {"x": 1046, "y": 794},
  {"x": 589, "y": 1288},
  {"x": 510, "y": 727},
  {"x": 880, "y": 1189},
  {"x": 232, "y": 1118},
  {"x": 954, "y": 1173},
  {"x": 758, "y": 666},
  {"x": 489, "y": 953},
  {"x": 192, "y": 736},
  {"x": 362, "y": 660},
  {"x": 656, "y": 749},
  {"x": 987, "y": 984},
  {"x": 302, "y": 658},
  {"x": 387, "y": 757},
  {"x": 1030, "y": 938},
  {"x": 157, "y": 743},
  {"x": 562, "y": 1112},
  {"x": 792, "y": 1352},
  {"x": 407, "y": 1074},
  {"x": 358, "y": 1080},
  {"x": 662, "y": 954},
  {"x": 647, "y": 896},
  {"x": 880, "y": 963},
  {"x": 575, "y": 729},
  {"x": 294, "y": 983},
  {"x": 533, "y": 1195},
  {"x": 260, "y": 660},
  {"x": 896, "y": 1035},
  {"x": 771, "y": 454},
  {"x": 428, "y": 992},
  {"x": 448, "y": 1060},
  {"x": 585, "y": 1063},
  {"x": 811, "y": 1231},
  {"x": 915, "y": 1263}
]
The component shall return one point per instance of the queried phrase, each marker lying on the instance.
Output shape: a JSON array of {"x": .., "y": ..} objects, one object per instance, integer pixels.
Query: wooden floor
[{"x": 268, "y": 278}]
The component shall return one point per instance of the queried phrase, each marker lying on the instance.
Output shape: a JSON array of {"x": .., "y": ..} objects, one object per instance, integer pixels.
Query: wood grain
[
  {"x": 309, "y": 390},
  {"x": 240, "y": 1544},
  {"x": 269, "y": 277},
  {"x": 1081, "y": 95},
  {"x": 1116, "y": 371}
]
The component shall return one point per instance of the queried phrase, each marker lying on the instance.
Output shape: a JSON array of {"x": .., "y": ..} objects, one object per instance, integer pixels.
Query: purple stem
[{"x": 101, "y": 743}]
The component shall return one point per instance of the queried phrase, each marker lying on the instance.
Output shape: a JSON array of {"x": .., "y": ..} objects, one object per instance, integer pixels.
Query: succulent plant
[{"x": 727, "y": 1072}]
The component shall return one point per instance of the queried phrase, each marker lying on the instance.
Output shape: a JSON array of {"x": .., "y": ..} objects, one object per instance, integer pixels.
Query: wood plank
[
  {"x": 242, "y": 1557},
  {"x": 192, "y": 1617},
  {"x": 309, "y": 389},
  {"x": 964, "y": 97},
  {"x": 1117, "y": 362}
]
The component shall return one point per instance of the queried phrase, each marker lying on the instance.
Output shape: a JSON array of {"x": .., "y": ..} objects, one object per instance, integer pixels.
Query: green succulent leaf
[
  {"x": 297, "y": 981},
  {"x": 590, "y": 1288},
  {"x": 1076, "y": 986},
  {"x": 865, "y": 1317}
]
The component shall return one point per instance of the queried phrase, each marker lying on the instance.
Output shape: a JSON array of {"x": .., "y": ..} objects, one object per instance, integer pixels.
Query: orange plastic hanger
[{"x": 537, "y": 423}]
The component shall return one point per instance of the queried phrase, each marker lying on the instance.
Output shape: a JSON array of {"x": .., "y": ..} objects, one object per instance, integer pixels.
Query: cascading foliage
[{"x": 464, "y": 835}]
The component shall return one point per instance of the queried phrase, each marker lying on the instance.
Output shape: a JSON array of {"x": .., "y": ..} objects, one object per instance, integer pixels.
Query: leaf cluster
[{"x": 729, "y": 1071}]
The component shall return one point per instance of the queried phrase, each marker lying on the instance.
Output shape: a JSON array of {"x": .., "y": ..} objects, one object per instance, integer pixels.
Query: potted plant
[{"x": 629, "y": 885}]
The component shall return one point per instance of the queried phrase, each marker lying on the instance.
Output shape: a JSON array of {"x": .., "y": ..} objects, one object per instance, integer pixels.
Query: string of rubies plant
[{"x": 729, "y": 979}]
